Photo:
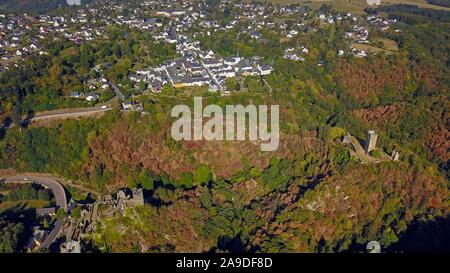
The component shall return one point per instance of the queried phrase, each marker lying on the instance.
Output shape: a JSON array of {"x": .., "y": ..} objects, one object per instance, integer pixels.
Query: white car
[{"x": 104, "y": 107}]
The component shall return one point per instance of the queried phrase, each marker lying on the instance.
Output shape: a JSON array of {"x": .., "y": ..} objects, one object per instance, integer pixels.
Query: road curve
[{"x": 58, "y": 193}]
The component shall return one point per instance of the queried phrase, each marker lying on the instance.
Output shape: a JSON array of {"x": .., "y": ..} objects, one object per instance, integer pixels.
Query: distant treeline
[
  {"x": 443, "y": 3},
  {"x": 32, "y": 6},
  {"x": 412, "y": 14}
]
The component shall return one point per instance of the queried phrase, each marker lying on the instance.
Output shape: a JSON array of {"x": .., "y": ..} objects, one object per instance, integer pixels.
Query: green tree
[
  {"x": 17, "y": 114},
  {"x": 10, "y": 236},
  {"x": 60, "y": 214},
  {"x": 186, "y": 180},
  {"x": 45, "y": 223},
  {"x": 43, "y": 195},
  {"x": 202, "y": 175},
  {"x": 146, "y": 180},
  {"x": 75, "y": 213}
]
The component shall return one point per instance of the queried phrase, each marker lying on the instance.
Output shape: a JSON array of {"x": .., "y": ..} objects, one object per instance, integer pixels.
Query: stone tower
[
  {"x": 371, "y": 141},
  {"x": 395, "y": 155}
]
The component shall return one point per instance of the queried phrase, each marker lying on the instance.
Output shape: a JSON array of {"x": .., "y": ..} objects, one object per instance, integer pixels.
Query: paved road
[
  {"x": 61, "y": 114},
  {"x": 58, "y": 193},
  {"x": 211, "y": 75},
  {"x": 68, "y": 113}
]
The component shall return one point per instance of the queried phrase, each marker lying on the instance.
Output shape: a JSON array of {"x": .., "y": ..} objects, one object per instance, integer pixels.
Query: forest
[
  {"x": 412, "y": 14},
  {"x": 443, "y": 3}
]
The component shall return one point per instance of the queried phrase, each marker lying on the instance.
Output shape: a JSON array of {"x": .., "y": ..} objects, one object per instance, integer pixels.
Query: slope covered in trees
[
  {"x": 336, "y": 214},
  {"x": 443, "y": 3}
]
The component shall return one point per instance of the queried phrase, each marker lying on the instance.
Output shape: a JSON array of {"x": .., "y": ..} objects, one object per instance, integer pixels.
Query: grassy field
[
  {"x": 388, "y": 44},
  {"x": 381, "y": 45},
  {"x": 26, "y": 204},
  {"x": 357, "y": 6}
]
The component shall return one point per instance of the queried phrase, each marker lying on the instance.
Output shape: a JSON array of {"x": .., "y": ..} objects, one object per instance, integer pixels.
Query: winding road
[{"x": 58, "y": 193}]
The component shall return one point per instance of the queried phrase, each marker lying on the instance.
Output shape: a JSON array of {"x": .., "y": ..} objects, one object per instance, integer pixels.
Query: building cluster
[
  {"x": 359, "y": 33},
  {"x": 44, "y": 218},
  {"x": 361, "y": 30},
  {"x": 374, "y": 2},
  {"x": 76, "y": 228},
  {"x": 96, "y": 86},
  {"x": 12, "y": 47},
  {"x": 380, "y": 23},
  {"x": 22, "y": 34},
  {"x": 197, "y": 67},
  {"x": 295, "y": 54},
  {"x": 114, "y": 204},
  {"x": 37, "y": 239},
  {"x": 81, "y": 220}
]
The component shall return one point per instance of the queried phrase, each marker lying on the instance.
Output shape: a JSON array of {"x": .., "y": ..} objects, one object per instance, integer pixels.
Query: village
[
  {"x": 177, "y": 22},
  {"x": 197, "y": 68}
]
